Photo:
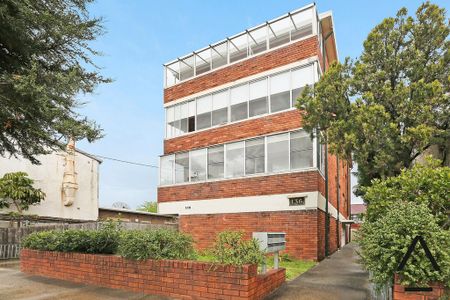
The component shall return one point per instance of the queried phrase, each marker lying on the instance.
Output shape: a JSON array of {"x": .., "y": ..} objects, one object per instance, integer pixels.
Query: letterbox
[{"x": 271, "y": 242}]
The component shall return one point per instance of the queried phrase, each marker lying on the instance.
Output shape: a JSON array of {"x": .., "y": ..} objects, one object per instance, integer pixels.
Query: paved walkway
[
  {"x": 338, "y": 277},
  {"x": 15, "y": 285}
]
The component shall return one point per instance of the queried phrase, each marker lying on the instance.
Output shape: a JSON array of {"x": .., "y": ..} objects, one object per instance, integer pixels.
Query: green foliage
[
  {"x": 427, "y": 183},
  {"x": 385, "y": 242},
  {"x": 149, "y": 206},
  {"x": 105, "y": 240},
  {"x": 17, "y": 189},
  {"x": 230, "y": 248},
  {"x": 46, "y": 61},
  {"x": 156, "y": 244},
  {"x": 393, "y": 102}
]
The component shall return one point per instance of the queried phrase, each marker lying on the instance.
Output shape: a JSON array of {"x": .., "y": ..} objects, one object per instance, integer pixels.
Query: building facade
[
  {"x": 235, "y": 154},
  {"x": 78, "y": 203}
]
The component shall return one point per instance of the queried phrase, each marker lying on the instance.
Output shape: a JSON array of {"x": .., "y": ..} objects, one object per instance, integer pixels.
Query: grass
[{"x": 294, "y": 267}]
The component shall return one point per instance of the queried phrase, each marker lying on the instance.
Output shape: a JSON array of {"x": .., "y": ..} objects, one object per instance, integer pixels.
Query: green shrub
[
  {"x": 230, "y": 248},
  {"x": 385, "y": 242},
  {"x": 104, "y": 240},
  {"x": 156, "y": 244}
]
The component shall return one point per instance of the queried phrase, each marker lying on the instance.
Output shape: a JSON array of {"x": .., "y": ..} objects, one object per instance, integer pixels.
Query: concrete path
[
  {"x": 15, "y": 285},
  {"x": 338, "y": 277}
]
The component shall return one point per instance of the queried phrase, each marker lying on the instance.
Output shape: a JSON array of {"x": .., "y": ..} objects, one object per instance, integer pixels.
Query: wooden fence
[
  {"x": 9, "y": 251},
  {"x": 10, "y": 238}
]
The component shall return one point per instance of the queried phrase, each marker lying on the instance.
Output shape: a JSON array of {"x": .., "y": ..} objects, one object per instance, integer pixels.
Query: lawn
[{"x": 294, "y": 267}]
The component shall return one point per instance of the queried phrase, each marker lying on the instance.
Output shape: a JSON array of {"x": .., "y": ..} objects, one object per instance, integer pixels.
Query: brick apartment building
[{"x": 235, "y": 155}]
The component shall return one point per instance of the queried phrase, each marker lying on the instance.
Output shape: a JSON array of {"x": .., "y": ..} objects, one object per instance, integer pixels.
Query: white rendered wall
[{"x": 48, "y": 176}]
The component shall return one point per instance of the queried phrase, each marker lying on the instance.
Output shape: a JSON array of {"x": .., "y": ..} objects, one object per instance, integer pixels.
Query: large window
[
  {"x": 272, "y": 34},
  {"x": 280, "y": 98},
  {"x": 240, "y": 102},
  {"x": 216, "y": 162},
  {"x": 166, "y": 169},
  {"x": 278, "y": 153},
  {"x": 198, "y": 165},
  {"x": 182, "y": 167},
  {"x": 301, "y": 150},
  {"x": 220, "y": 108},
  {"x": 254, "y": 156},
  {"x": 235, "y": 159},
  {"x": 281, "y": 152},
  {"x": 258, "y": 98},
  {"x": 204, "y": 106}
]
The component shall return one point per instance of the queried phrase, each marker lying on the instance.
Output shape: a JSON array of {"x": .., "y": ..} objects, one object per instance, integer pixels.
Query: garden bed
[{"x": 174, "y": 278}]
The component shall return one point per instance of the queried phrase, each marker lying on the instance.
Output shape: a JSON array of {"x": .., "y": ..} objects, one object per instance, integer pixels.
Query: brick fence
[
  {"x": 173, "y": 278},
  {"x": 401, "y": 292}
]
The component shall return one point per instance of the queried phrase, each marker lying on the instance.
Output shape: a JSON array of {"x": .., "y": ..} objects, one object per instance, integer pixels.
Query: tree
[
  {"x": 385, "y": 242},
  {"x": 45, "y": 63},
  {"x": 427, "y": 183},
  {"x": 17, "y": 189},
  {"x": 149, "y": 206},
  {"x": 391, "y": 104}
]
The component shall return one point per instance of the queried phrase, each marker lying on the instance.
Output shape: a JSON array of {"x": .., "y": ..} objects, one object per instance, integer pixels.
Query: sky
[{"x": 143, "y": 35}]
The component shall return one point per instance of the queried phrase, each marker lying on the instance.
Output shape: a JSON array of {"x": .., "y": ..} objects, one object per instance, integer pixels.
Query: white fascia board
[{"x": 279, "y": 202}]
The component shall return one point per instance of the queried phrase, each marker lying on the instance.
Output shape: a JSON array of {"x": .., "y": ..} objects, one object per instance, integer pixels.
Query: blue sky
[{"x": 142, "y": 35}]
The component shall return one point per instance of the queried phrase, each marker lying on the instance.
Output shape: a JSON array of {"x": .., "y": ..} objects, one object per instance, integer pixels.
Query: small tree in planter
[{"x": 17, "y": 190}]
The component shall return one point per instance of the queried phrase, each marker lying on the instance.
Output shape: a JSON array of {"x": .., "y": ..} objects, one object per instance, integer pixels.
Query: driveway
[
  {"x": 15, "y": 285},
  {"x": 337, "y": 277}
]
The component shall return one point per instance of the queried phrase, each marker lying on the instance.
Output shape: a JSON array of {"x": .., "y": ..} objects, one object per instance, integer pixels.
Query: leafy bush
[
  {"x": 156, "y": 244},
  {"x": 385, "y": 242},
  {"x": 104, "y": 240},
  {"x": 231, "y": 249}
]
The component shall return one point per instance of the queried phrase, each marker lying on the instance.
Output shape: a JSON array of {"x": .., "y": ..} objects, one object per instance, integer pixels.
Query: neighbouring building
[
  {"x": 357, "y": 211},
  {"x": 134, "y": 216},
  {"x": 70, "y": 180},
  {"x": 235, "y": 155}
]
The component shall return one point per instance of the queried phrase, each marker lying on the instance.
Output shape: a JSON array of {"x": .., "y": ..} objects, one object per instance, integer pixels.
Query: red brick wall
[
  {"x": 399, "y": 292},
  {"x": 300, "y": 228},
  {"x": 273, "y": 59},
  {"x": 178, "y": 279},
  {"x": 251, "y": 186},
  {"x": 332, "y": 236},
  {"x": 246, "y": 129}
]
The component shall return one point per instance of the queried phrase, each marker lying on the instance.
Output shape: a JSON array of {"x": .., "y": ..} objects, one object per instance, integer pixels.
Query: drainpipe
[
  {"x": 327, "y": 217},
  {"x": 338, "y": 226}
]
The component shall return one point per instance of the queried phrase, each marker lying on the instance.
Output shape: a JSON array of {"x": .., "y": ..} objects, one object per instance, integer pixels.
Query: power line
[{"x": 126, "y": 162}]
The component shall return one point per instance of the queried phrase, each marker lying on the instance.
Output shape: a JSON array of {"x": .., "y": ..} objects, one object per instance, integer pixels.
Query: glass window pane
[
  {"x": 220, "y": 108},
  {"x": 187, "y": 68},
  {"x": 258, "y": 40},
  {"x": 238, "y": 48},
  {"x": 170, "y": 116},
  {"x": 301, "y": 78},
  {"x": 198, "y": 165},
  {"x": 203, "y": 61},
  {"x": 258, "y": 98},
  {"x": 219, "y": 55},
  {"x": 280, "y": 95},
  {"x": 279, "y": 32},
  {"x": 166, "y": 169},
  {"x": 301, "y": 150},
  {"x": 239, "y": 98},
  {"x": 173, "y": 73},
  {"x": 254, "y": 156},
  {"x": 303, "y": 24},
  {"x": 278, "y": 153},
  {"x": 216, "y": 162},
  {"x": 182, "y": 167},
  {"x": 235, "y": 159},
  {"x": 204, "y": 106},
  {"x": 191, "y": 116}
]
